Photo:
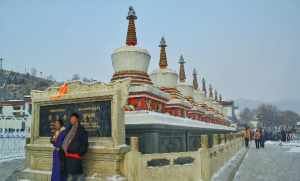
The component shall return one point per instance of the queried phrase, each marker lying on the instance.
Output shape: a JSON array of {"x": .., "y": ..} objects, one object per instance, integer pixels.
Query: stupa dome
[
  {"x": 164, "y": 78},
  {"x": 185, "y": 89},
  {"x": 198, "y": 96},
  {"x": 130, "y": 58}
]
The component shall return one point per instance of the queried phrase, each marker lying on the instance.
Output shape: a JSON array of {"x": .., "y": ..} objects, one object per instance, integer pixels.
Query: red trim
[{"x": 72, "y": 155}]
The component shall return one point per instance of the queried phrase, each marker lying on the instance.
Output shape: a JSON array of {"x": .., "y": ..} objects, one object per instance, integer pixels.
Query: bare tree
[
  {"x": 268, "y": 115},
  {"x": 50, "y": 77},
  {"x": 76, "y": 77},
  {"x": 33, "y": 71},
  {"x": 288, "y": 118},
  {"x": 247, "y": 115}
]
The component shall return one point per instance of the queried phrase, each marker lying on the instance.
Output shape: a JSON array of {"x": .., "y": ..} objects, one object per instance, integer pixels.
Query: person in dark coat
[
  {"x": 75, "y": 146},
  {"x": 262, "y": 138},
  {"x": 283, "y": 135}
]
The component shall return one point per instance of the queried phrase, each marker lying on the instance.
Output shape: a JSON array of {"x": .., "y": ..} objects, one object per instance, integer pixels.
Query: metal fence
[{"x": 12, "y": 147}]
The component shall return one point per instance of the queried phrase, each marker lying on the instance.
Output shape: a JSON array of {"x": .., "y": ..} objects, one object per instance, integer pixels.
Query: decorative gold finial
[
  {"x": 182, "y": 76},
  {"x": 195, "y": 80},
  {"x": 204, "y": 86},
  {"x": 211, "y": 91},
  {"x": 163, "y": 63},
  {"x": 131, "y": 39},
  {"x": 216, "y": 95}
]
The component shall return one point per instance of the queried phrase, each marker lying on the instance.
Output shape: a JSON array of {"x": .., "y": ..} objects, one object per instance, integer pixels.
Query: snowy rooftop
[{"x": 147, "y": 118}]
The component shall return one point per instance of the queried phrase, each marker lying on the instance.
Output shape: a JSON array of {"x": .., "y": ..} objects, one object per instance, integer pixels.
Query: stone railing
[
  {"x": 12, "y": 148},
  {"x": 182, "y": 166}
]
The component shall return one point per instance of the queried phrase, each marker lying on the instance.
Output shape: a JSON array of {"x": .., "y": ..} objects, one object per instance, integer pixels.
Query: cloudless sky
[{"x": 245, "y": 48}]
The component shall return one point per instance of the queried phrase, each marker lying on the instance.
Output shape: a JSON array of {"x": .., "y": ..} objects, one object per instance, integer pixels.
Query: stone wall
[
  {"x": 105, "y": 154},
  {"x": 182, "y": 166}
]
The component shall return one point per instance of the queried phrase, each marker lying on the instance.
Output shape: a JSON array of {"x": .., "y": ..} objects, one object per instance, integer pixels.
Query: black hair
[
  {"x": 75, "y": 115},
  {"x": 61, "y": 122}
]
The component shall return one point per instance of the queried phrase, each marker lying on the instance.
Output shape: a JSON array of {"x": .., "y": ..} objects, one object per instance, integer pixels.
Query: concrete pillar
[
  {"x": 215, "y": 139},
  {"x": 204, "y": 141},
  {"x": 205, "y": 160},
  {"x": 134, "y": 143},
  {"x": 222, "y": 138}
]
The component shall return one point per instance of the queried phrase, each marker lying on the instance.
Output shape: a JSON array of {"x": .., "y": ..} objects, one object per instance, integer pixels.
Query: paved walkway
[
  {"x": 7, "y": 168},
  {"x": 273, "y": 163}
]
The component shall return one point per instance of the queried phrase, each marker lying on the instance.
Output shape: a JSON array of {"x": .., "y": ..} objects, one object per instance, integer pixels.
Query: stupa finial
[
  {"x": 216, "y": 95},
  {"x": 211, "y": 95},
  {"x": 182, "y": 76},
  {"x": 220, "y": 98},
  {"x": 195, "y": 79},
  {"x": 131, "y": 39},
  {"x": 163, "y": 63},
  {"x": 204, "y": 86}
]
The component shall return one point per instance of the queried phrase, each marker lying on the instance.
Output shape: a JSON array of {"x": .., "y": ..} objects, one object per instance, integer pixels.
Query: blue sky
[{"x": 245, "y": 48}]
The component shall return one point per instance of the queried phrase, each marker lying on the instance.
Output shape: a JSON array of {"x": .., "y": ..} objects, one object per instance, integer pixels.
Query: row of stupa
[{"x": 163, "y": 90}]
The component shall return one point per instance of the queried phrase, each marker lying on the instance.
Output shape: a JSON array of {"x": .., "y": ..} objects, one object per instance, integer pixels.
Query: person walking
[
  {"x": 58, "y": 173},
  {"x": 262, "y": 138},
  {"x": 283, "y": 135},
  {"x": 257, "y": 138},
  {"x": 75, "y": 147},
  {"x": 247, "y": 136}
]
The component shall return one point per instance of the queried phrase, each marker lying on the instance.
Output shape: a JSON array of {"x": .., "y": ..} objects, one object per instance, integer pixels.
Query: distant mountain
[
  {"x": 14, "y": 85},
  {"x": 293, "y": 105}
]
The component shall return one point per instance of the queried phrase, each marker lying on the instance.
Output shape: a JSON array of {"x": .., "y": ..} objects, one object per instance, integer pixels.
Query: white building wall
[{"x": 15, "y": 119}]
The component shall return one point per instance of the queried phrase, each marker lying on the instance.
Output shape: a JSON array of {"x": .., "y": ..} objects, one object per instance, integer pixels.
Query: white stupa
[
  {"x": 164, "y": 77},
  {"x": 130, "y": 61}
]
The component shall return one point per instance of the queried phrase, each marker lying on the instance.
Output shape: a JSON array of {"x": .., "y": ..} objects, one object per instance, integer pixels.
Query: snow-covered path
[
  {"x": 273, "y": 163},
  {"x": 8, "y": 167}
]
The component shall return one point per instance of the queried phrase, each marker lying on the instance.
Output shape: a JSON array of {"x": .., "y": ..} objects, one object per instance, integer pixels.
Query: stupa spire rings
[
  {"x": 163, "y": 63},
  {"x": 216, "y": 95},
  {"x": 220, "y": 98},
  {"x": 195, "y": 80},
  {"x": 131, "y": 39},
  {"x": 211, "y": 91},
  {"x": 182, "y": 77},
  {"x": 204, "y": 86}
]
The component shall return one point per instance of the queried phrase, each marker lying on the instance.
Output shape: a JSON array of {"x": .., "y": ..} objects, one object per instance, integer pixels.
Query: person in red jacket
[{"x": 257, "y": 138}]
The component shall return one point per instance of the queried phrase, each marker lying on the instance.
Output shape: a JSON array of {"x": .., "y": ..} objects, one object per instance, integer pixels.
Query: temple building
[
  {"x": 156, "y": 112},
  {"x": 163, "y": 108},
  {"x": 15, "y": 116}
]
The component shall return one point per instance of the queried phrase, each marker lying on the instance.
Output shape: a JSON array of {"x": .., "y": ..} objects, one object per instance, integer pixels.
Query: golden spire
[
  {"x": 211, "y": 91},
  {"x": 195, "y": 80},
  {"x": 204, "y": 86},
  {"x": 131, "y": 39},
  {"x": 163, "y": 63},
  {"x": 216, "y": 95},
  {"x": 182, "y": 76},
  {"x": 220, "y": 98}
]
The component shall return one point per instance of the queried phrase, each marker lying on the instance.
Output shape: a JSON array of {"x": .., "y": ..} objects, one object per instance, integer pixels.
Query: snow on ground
[
  {"x": 226, "y": 172},
  {"x": 7, "y": 168},
  {"x": 294, "y": 150},
  {"x": 276, "y": 162},
  {"x": 11, "y": 159}
]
